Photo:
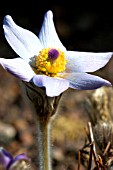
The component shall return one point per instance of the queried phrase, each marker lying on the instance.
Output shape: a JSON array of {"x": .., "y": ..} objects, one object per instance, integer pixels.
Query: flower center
[{"x": 50, "y": 61}]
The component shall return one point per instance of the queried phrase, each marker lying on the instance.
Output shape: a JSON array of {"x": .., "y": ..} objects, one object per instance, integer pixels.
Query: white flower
[{"x": 44, "y": 60}]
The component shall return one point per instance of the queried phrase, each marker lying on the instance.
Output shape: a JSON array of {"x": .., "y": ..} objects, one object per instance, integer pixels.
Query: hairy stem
[
  {"x": 43, "y": 142},
  {"x": 45, "y": 109}
]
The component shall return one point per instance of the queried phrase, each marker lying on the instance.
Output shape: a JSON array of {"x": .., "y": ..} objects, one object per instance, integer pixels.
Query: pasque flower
[
  {"x": 45, "y": 61},
  {"x": 7, "y": 160}
]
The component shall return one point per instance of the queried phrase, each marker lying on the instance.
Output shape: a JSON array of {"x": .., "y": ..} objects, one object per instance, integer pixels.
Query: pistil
[{"x": 50, "y": 62}]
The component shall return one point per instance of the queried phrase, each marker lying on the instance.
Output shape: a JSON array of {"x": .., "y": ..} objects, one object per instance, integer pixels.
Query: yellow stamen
[{"x": 48, "y": 66}]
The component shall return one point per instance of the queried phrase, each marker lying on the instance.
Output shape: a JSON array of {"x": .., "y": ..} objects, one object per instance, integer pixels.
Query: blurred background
[{"x": 81, "y": 26}]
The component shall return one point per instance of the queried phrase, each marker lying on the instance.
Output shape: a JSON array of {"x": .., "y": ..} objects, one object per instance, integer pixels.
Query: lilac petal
[
  {"x": 86, "y": 61},
  {"x": 85, "y": 81},
  {"x": 21, "y": 157},
  {"x": 23, "y": 42},
  {"x": 18, "y": 68},
  {"x": 54, "y": 86},
  {"x": 48, "y": 35},
  {"x": 5, "y": 157},
  {"x": 18, "y": 158}
]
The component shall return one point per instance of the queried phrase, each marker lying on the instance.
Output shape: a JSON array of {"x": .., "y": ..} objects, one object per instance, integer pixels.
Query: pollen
[{"x": 50, "y": 62}]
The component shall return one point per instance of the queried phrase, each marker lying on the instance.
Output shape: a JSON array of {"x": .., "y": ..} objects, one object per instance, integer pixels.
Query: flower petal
[
  {"x": 86, "y": 61},
  {"x": 5, "y": 157},
  {"x": 85, "y": 81},
  {"x": 48, "y": 35},
  {"x": 14, "y": 162},
  {"x": 23, "y": 42},
  {"x": 18, "y": 67},
  {"x": 54, "y": 86},
  {"x": 20, "y": 157}
]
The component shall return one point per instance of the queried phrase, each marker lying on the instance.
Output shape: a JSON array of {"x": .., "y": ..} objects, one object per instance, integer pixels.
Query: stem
[
  {"x": 43, "y": 142},
  {"x": 45, "y": 110}
]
